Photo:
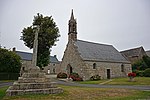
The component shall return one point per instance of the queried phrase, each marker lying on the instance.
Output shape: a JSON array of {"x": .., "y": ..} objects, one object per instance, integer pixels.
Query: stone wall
[
  {"x": 71, "y": 57},
  {"x": 25, "y": 66},
  {"x": 101, "y": 69},
  {"x": 53, "y": 68}
]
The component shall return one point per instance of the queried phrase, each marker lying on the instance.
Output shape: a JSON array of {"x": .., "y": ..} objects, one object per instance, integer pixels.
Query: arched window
[
  {"x": 122, "y": 68},
  {"x": 94, "y": 66}
]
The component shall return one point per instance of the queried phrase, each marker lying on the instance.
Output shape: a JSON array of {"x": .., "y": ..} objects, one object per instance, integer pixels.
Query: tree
[
  {"x": 9, "y": 61},
  {"x": 47, "y": 36},
  {"x": 142, "y": 64},
  {"x": 147, "y": 60}
]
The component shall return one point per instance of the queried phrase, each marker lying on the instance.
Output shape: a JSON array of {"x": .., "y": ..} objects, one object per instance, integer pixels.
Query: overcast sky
[{"x": 124, "y": 24}]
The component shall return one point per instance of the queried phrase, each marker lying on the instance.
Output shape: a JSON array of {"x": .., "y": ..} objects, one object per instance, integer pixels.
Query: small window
[
  {"x": 53, "y": 64},
  {"x": 94, "y": 66},
  {"x": 53, "y": 70},
  {"x": 122, "y": 68},
  {"x": 23, "y": 68}
]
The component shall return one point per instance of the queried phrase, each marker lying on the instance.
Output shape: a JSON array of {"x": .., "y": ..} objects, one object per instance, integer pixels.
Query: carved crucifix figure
[{"x": 35, "y": 47}]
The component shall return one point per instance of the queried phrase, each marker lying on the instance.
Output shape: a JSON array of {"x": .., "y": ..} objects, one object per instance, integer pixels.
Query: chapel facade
[{"x": 89, "y": 59}]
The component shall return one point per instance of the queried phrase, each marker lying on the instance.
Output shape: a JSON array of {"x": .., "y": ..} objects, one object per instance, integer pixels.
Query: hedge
[
  {"x": 147, "y": 72},
  {"x": 9, "y": 76}
]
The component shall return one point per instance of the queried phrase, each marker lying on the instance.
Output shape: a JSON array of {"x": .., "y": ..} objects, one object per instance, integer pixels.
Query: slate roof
[
  {"x": 99, "y": 52},
  {"x": 24, "y": 55},
  {"x": 28, "y": 56},
  {"x": 132, "y": 52},
  {"x": 148, "y": 53}
]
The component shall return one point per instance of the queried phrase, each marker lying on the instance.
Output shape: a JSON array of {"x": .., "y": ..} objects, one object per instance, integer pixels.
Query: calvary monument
[{"x": 34, "y": 80}]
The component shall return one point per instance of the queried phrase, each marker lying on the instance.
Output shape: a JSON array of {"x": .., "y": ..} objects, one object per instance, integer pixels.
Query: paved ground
[
  {"x": 144, "y": 88},
  {"x": 2, "y": 84}
]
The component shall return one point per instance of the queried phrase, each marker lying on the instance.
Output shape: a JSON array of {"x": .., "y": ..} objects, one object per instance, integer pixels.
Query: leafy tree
[
  {"x": 146, "y": 72},
  {"x": 142, "y": 64},
  {"x": 9, "y": 61},
  {"x": 47, "y": 36},
  {"x": 147, "y": 60}
]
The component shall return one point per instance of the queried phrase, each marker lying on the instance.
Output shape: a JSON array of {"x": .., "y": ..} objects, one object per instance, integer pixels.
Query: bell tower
[{"x": 72, "y": 32}]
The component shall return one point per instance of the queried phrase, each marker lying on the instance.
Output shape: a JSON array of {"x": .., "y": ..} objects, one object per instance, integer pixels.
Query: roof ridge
[
  {"x": 94, "y": 43},
  {"x": 132, "y": 49},
  {"x": 24, "y": 52}
]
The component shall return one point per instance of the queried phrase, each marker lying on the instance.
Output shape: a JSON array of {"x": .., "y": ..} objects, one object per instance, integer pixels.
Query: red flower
[
  {"x": 75, "y": 78},
  {"x": 131, "y": 74}
]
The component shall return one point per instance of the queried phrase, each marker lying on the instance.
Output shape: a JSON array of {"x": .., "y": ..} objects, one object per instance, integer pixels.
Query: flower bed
[
  {"x": 75, "y": 77},
  {"x": 62, "y": 75},
  {"x": 131, "y": 76}
]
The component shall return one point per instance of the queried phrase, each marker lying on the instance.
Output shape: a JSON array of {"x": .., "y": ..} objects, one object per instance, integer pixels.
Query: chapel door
[
  {"x": 108, "y": 73},
  {"x": 69, "y": 69}
]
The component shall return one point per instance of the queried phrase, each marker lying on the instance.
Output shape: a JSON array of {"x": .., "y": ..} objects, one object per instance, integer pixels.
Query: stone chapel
[{"x": 89, "y": 59}]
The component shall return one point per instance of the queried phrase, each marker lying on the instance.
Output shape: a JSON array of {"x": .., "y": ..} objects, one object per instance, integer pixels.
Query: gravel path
[
  {"x": 2, "y": 84},
  {"x": 144, "y": 88}
]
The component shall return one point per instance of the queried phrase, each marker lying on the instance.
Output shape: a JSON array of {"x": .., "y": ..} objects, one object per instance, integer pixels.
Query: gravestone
[{"x": 34, "y": 81}]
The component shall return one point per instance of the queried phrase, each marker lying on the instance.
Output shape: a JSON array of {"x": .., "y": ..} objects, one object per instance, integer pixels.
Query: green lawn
[
  {"x": 125, "y": 81},
  {"x": 2, "y": 92},
  {"x": 84, "y": 93},
  {"x": 122, "y": 81}
]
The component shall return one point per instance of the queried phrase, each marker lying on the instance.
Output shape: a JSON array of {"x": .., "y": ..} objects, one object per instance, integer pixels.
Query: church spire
[
  {"x": 72, "y": 16},
  {"x": 72, "y": 31}
]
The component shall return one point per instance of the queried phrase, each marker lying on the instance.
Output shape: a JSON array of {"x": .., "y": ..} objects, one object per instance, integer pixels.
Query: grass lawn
[
  {"x": 125, "y": 81},
  {"x": 122, "y": 81},
  {"x": 84, "y": 93},
  {"x": 2, "y": 92}
]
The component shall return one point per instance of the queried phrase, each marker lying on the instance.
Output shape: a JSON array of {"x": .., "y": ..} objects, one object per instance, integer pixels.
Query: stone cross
[{"x": 35, "y": 47}]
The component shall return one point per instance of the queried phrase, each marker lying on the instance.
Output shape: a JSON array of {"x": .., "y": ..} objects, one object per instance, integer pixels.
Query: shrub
[
  {"x": 75, "y": 77},
  {"x": 62, "y": 75},
  {"x": 95, "y": 77},
  {"x": 10, "y": 62},
  {"x": 139, "y": 73},
  {"x": 9, "y": 76},
  {"x": 147, "y": 72}
]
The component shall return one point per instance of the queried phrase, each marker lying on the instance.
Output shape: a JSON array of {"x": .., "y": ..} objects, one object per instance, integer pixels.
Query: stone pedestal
[{"x": 33, "y": 82}]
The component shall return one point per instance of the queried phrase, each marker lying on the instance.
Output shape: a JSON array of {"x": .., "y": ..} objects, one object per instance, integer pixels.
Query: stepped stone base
[
  {"x": 33, "y": 82},
  {"x": 34, "y": 91}
]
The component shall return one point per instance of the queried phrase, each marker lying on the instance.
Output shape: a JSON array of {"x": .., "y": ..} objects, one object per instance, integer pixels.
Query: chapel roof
[
  {"x": 148, "y": 53},
  {"x": 28, "y": 56},
  {"x": 132, "y": 52},
  {"x": 99, "y": 52}
]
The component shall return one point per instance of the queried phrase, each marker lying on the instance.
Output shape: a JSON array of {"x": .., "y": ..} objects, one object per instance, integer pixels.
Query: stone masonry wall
[
  {"x": 53, "y": 68},
  {"x": 101, "y": 69},
  {"x": 71, "y": 57}
]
